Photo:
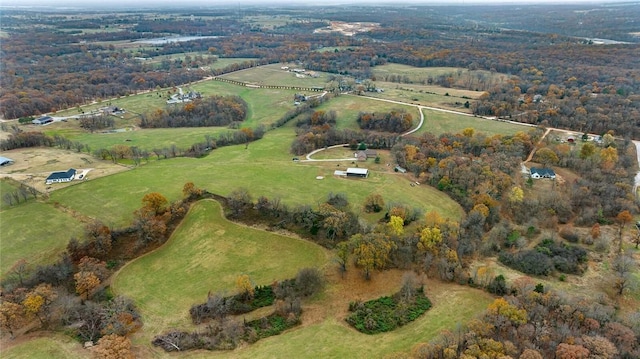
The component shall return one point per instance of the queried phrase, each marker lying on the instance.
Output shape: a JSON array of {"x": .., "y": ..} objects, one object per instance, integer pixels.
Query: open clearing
[
  {"x": 348, "y": 108},
  {"x": 207, "y": 253},
  {"x": 33, "y": 165},
  {"x": 435, "y": 96},
  {"x": 274, "y": 75},
  {"x": 226, "y": 169},
  {"x": 460, "y": 78},
  {"x": 51, "y": 346},
  {"x": 324, "y": 333},
  {"x": 36, "y": 232},
  {"x": 438, "y": 122}
]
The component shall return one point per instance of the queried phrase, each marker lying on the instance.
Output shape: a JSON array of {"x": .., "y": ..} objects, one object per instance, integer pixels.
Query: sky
[{"x": 211, "y": 3}]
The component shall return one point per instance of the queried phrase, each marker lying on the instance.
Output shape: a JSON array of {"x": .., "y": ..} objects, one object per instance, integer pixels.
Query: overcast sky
[{"x": 210, "y": 3}]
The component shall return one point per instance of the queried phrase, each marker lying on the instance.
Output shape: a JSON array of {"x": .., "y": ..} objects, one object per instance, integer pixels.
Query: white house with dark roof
[
  {"x": 59, "y": 177},
  {"x": 538, "y": 173}
]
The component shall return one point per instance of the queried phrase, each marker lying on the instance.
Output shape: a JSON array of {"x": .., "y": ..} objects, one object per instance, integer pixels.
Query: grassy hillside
[
  {"x": 36, "y": 232},
  {"x": 207, "y": 253}
]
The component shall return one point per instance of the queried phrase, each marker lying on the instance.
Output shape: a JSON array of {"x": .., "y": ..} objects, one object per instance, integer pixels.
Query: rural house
[
  {"x": 541, "y": 173},
  {"x": 58, "y": 177}
]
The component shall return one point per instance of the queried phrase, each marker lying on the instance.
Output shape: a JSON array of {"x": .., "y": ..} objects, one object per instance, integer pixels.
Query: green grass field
[
  {"x": 438, "y": 122},
  {"x": 426, "y": 95},
  {"x": 348, "y": 107},
  {"x": 334, "y": 339},
  {"x": 52, "y": 346},
  {"x": 462, "y": 78},
  {"x": 274, "y": 75},
  {"x": 37, "y": 232},
  {"x": 265, "y": 168},
  {"x": 207, "y": 253}
]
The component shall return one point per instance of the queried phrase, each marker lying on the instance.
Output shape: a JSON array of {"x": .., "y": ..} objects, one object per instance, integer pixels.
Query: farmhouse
[
  {"x": 57, "y": 177},
  {"x": 42, "y": 120},
  {"x": 5, "y": 161},
  {"x": 542, "y": 173}
]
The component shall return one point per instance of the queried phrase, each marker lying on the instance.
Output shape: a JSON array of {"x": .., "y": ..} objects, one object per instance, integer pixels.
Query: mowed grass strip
[
  {"x": 332, "y": 338},
  {"x": 36, "y": 232},
  {"x": 438, "y": 122},
  {"x": 207, "y": 253},
  {"x": 52, "y": 346}
]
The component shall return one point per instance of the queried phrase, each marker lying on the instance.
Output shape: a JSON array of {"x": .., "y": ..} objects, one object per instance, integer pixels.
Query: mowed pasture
[
  {"x": 426, "y": 95},
  {"x": 264, "y": 168},
  {"x": 439, "y": 122},
  {"x": 50, "y": 347},
  {"x": 36, "y": 232},
  {"x": 348, "y": 107},
  {"x": 207, "y": 253},
  {"x": 460, "y": 78}
]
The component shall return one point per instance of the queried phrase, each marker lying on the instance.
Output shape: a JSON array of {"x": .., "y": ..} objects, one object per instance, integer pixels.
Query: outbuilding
[
  {"x": 42, "y": 120},
  {"x": 59, "y": 177},
  {"x": 357, "y": 172},
  {"x": 5, "y": 161}
]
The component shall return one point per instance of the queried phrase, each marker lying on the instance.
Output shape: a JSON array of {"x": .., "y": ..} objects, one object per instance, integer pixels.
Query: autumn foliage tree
[
  {"x": 38, "y": 302},
  {"x": 371, "y": 251},
  {"x": 114, "y": 346},
  {"x": 12, "y": 316},
  {"x": 155, "y": 203}
]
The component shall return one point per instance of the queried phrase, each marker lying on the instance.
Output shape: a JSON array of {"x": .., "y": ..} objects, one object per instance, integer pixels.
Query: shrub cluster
[
  {"x": 387, "y": 313},
  {"x": 546, "y": 257}
]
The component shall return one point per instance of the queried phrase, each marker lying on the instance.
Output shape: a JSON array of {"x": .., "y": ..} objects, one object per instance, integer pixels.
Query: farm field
[
  {"x": 274, "y": 75},
  {"x": 114, "y": 199},
  {"x": 207, "y": 253},
  {"x": 51, "y": 346},
  {"x": 438, "y": 122},
  {"x": 435, "y": 96},
  {"x": 461, "y": 78},
  {"x": 40, "y": 243},
  {"x": 349, "y": 107}
]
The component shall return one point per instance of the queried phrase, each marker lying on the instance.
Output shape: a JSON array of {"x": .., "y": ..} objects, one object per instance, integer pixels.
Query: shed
[
  {"x": 399, "y": 169},
  {"x": 357, "y": 172},
  {"x": 58, "y": 177},
  {"x": 5, "y": 161},
  {"x": 42, "y": 120}
]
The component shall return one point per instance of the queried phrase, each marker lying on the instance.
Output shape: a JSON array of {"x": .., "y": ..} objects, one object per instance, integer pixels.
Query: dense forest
[{"x": 554, "y": 78}]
